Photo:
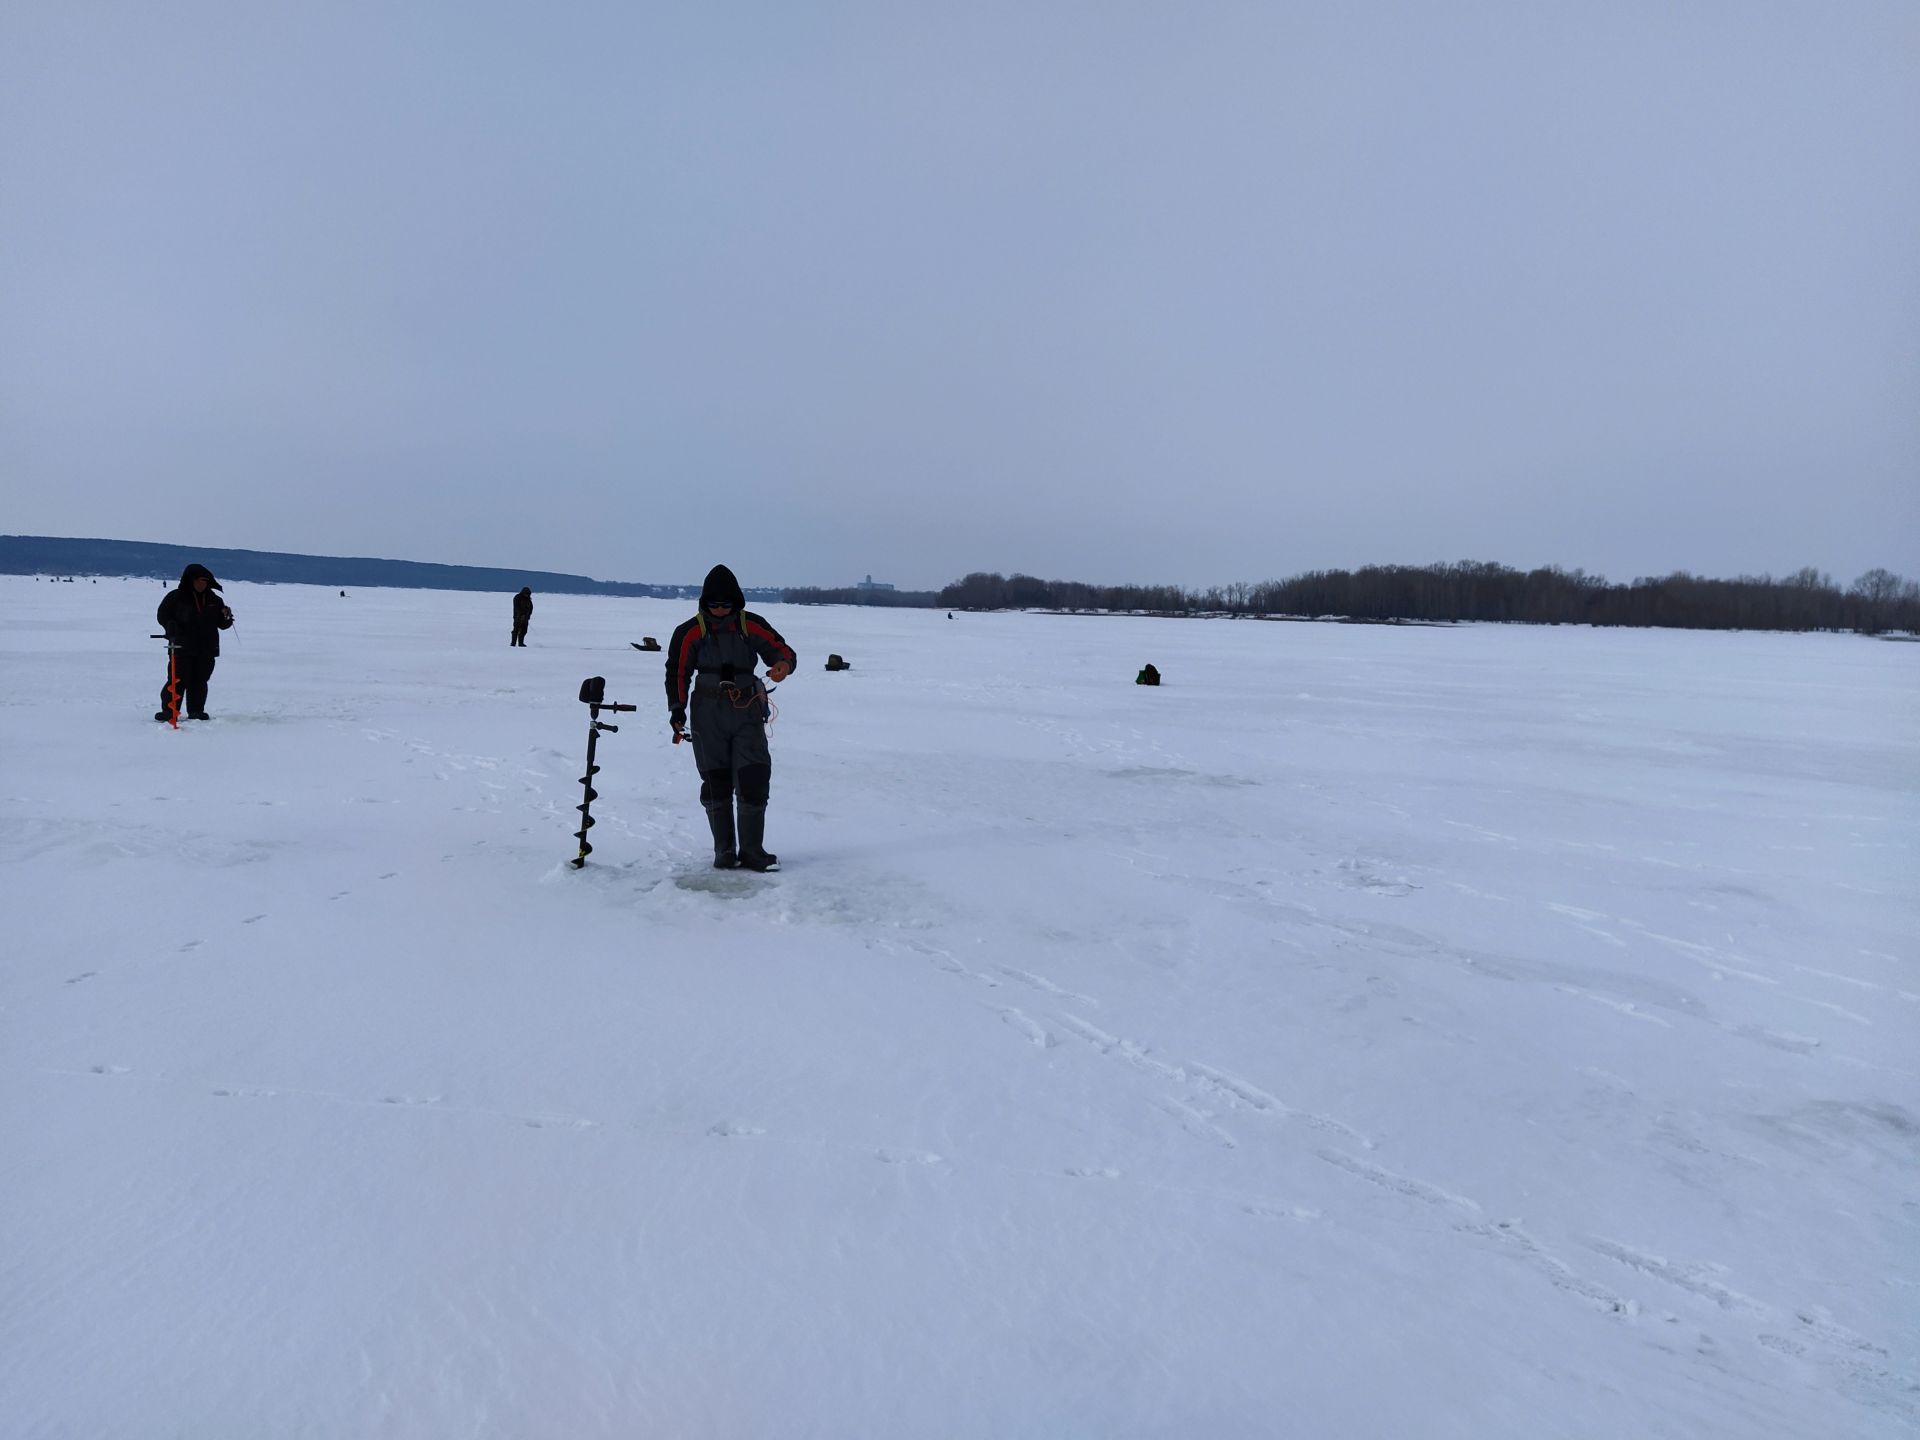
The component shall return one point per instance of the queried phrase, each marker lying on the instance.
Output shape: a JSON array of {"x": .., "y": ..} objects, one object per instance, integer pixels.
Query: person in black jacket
[
  {"x": 714, "y": 654},
  {"x": 522, "y": 615},
  {"x": 193, "y": 617}
]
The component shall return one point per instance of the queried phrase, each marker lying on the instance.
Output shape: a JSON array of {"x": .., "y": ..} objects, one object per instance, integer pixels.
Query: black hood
[
  {"x": 194, "y": 572},
  {"x": 721, "y": 588}
]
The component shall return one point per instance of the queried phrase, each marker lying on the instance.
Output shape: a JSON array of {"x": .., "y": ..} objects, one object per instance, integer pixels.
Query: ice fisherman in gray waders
[{"x": 713, "y": 654}]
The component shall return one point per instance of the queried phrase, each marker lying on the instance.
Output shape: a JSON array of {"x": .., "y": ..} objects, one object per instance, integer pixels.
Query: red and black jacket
[{"x": 709, "y": 651}]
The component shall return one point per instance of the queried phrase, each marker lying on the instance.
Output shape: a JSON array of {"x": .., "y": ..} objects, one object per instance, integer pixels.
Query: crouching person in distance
[{"x": 714, "y": 655}]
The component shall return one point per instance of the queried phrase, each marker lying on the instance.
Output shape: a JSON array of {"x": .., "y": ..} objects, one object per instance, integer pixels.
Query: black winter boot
[
  {"x": 720, "y": 820},
  {"x": 753, "y": 834}
]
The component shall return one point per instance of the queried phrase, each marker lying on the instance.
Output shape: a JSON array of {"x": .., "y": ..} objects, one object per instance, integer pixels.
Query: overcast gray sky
[{"x": 1159, "y": 292}]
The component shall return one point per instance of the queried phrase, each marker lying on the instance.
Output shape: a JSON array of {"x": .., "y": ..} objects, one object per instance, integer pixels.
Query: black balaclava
[{"x": 720, "y": 587}]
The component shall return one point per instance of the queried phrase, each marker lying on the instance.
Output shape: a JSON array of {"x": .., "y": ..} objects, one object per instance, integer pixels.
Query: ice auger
[{"x": 593, "y": 693}]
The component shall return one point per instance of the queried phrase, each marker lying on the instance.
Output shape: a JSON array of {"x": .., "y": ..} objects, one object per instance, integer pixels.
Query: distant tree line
[
  {"x": 859, "y": 595},
  {"x": 980, "y": 591},
  {"x": 1878, "y": 601}
]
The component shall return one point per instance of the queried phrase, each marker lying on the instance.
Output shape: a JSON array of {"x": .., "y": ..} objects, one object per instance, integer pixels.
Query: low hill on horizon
[{"x": 57, "y": 555}]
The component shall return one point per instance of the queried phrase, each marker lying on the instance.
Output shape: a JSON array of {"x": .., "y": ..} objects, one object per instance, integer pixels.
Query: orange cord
[{"x": 741, "y": 698}]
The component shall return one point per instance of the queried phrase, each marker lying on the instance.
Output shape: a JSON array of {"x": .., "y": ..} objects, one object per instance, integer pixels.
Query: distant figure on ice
[
  {"x": 522, "y": 614},
  {"x": 1147, "y": 676},
  {"x": 193, "y": 617},
  {"x": 714, "y": 653}
]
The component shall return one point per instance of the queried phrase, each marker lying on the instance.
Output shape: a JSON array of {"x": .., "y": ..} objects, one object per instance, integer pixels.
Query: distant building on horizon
[{"x": 872, "y": 584}]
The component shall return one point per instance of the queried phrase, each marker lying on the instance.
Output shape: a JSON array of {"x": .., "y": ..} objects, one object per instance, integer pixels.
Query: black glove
[{"x": 679, "y": 719}]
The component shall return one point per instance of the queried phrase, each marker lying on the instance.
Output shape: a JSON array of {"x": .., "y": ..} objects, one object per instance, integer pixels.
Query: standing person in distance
[
  {"x": 193, "y": 617},
  {"x": 714, "y": 655},
  {"x": 522, "y": 615}
]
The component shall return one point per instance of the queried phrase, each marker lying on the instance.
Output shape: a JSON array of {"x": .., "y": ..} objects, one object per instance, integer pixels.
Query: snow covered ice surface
[{"x": 1371, "y": 1032}]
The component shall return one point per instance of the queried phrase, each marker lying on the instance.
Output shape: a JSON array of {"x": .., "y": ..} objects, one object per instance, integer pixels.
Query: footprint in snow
[
  {"x": 83, "y": 975},
  {"x": 734, "y": 1129},
  {"x": 1036, "y": 1034},
  {"x": 1299, "y": 1213},
  {"x": 907, "y": 1157}
]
